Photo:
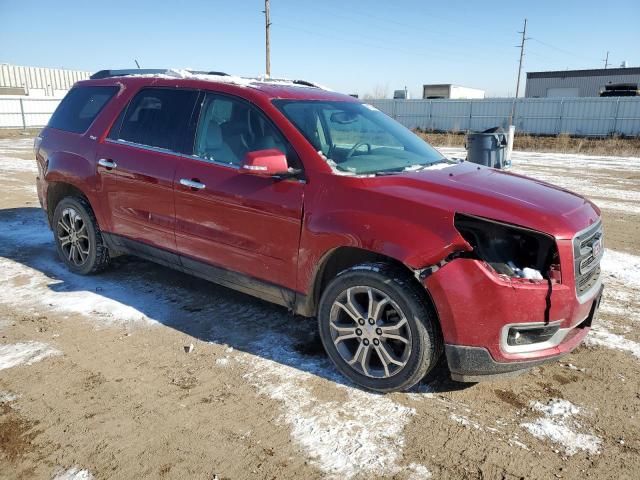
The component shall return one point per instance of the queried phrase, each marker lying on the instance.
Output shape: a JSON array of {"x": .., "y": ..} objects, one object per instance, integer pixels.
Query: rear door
[
  {"x": 240, "y": 222},
  {"x": 68, "y": 148},
  {"x": 140, "y": 156}
]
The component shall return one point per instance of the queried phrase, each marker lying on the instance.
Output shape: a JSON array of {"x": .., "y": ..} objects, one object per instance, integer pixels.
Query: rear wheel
[
  {"x": 377, "y": 328},
  {"x": 78, "y": 238}
]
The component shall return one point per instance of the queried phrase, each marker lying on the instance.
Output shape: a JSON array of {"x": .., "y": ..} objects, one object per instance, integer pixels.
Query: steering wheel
[{"x": 353, "y": 149}]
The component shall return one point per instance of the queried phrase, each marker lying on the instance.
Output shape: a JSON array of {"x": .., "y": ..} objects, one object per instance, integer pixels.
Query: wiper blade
[
  {"x": 411, "y": 168},
  {"x": 434, "y": 164}
]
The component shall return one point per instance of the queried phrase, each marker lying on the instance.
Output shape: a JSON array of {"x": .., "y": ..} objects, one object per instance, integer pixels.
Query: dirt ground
[{"x": 95, "y": 381}]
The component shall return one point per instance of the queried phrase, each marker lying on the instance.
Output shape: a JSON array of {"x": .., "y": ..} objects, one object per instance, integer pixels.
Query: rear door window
[
  {"x": 80, "y": 107},
  {"x": 158, "y": 117}
]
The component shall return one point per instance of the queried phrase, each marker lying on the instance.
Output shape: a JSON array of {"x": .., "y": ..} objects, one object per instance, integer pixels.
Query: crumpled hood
[{"x": 482, "y": 191}]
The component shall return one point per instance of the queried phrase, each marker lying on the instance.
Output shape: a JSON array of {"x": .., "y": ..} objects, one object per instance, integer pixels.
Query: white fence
[
  {"x": 26, "y": 112},
  {"x": 541, "y": 116}
]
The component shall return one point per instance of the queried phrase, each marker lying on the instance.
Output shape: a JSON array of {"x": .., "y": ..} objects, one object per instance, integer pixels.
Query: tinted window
[
  {"x": 229, "y": 128},
  {"x": 158, "y": 117},
  {"x": 80, "y": 107}
]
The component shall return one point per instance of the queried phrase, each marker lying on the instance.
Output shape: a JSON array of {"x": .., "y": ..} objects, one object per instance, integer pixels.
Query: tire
[
  {"x": 404, "y": 333},
  {"x": 75, "y": 225}
]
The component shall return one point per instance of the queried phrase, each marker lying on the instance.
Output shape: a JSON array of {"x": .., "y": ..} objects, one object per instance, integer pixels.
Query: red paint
[
  {"x": 281, "y": 230},
  {"x": 265, "y": 163},
  {"x": 245, "y": 223}
]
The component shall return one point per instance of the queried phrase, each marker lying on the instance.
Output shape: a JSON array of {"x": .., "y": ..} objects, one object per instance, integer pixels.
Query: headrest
[{"x": 214, "y": 135}]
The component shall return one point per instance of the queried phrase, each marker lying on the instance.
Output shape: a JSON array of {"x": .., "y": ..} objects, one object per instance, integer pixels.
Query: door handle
[
  {"x": 192, "y": 184},
  {"x": 108, "y": 164}
]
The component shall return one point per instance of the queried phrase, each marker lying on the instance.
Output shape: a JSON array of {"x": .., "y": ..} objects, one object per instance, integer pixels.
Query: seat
[
  {"x": 269, "y": 140},
  {"x": 235, "y": 134},
  {"x": 214, "y": 148}
]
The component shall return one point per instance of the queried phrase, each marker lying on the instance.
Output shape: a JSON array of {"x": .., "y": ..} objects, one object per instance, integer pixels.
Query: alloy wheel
[
  {"x": 370, "y": 332},
  {"x": 73, "y": 236}
]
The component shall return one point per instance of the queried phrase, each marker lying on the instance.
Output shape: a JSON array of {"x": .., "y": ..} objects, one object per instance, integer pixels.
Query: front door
[
  {"x": 140, "y": 157},
  {"x": 236, "y": 221}
]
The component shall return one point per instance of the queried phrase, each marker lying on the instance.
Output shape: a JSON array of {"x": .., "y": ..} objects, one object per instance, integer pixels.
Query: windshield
[{"x": 358, "y": 139}]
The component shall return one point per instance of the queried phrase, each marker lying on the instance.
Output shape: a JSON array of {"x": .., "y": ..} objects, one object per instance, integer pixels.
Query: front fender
[{"x": 415, "y": 244}]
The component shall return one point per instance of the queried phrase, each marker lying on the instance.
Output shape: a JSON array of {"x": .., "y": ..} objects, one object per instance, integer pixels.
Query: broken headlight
[{"x": 511, "y": 250}]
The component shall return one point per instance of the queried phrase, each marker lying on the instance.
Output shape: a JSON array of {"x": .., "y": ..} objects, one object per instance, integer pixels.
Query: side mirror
[{"x": 265, "y": 163}]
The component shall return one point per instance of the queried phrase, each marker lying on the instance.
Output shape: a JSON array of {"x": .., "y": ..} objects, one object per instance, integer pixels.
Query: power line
[
  {"x": 439, "y": 38},
  {"x": 388, "y": 47},
  {"x": 561, "y": 50}
]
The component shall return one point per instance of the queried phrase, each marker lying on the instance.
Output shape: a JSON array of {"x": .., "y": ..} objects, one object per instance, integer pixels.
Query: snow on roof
[{"x": 173, "y": 73}]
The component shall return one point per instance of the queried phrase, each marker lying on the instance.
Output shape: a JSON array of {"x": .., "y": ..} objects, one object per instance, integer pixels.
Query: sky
[{"x": 353, "y": 46}]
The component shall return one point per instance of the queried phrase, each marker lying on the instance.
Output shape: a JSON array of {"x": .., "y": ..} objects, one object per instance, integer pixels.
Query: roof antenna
[{"x": 137, "y": 64}]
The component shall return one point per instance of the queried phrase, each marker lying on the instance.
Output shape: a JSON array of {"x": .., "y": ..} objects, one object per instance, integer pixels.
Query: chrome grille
[{"x": 587, "y": 253}]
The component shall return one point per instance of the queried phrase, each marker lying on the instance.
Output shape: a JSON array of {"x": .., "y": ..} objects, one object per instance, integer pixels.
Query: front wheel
[{"x": 377, "y": 328}]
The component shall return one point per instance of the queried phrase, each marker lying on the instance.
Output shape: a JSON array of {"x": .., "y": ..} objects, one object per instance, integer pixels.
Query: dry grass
[
  {"x": 627, "y": 147},
  {"x": 18, "y": 132}
]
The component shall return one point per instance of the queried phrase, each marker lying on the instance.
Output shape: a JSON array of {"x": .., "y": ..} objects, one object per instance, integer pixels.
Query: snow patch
[
  {"x": 600, "y": 336},
  {"x": 74, "y": 473},
  {"x": 358, "y": 434},
  {"x": 462, "y": 420},
  {"x": 623, "y": 267},
  {"x": 557, "y": 425},
  {"x": 26, "y": 287},
  {"x": 14, "y": 354},
  {"x": 17, "y": 165},
  {"x": 418, "y": 472},
  {"x": 7, "y": 397},
  {"x": 556, "y": 408}
]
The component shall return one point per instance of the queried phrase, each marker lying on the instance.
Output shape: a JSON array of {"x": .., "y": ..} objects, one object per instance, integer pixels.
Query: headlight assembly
[{"x": 511, "y": 250}]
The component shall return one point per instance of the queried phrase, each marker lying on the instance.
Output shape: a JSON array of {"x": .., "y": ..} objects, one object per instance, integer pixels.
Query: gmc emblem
[{"x": 596, "y": 247}]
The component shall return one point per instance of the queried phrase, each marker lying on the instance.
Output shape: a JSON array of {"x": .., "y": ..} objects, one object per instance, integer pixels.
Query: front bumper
[{"x": 475, "y": 308}]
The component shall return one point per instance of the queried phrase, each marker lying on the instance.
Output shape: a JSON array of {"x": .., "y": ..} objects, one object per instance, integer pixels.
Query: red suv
[{"x": 315, "y": 201}]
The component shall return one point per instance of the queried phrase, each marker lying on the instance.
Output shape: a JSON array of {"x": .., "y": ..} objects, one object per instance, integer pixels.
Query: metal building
[
  {"x": 579, "y": 83},
  {"x": 37, "y": 81}
]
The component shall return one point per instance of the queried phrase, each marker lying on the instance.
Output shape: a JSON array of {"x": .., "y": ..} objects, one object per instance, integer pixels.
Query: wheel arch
[
  {"x": 342, "y": 258},
  {"x": 56, "y": 191}
]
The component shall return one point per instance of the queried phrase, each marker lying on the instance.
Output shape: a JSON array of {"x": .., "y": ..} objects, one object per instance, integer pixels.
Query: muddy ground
[{"x": 95, "y": 381}]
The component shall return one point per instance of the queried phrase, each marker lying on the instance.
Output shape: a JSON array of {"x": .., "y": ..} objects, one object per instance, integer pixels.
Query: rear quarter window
[{"x": 80, "y": 107}]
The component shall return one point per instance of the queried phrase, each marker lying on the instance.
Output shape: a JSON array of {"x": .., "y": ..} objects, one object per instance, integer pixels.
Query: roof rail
[
  {"x": 306, "y": 83},
  {"x": 145, "y": 71},
  {"x": 122, "y": 73},
  {"x": 202, "y": 72}
]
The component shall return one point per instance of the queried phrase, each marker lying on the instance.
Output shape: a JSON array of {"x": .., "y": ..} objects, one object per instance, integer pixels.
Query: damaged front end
[
  {"x": 501, "y": 302},
  {"x": 513, "y": 251}
]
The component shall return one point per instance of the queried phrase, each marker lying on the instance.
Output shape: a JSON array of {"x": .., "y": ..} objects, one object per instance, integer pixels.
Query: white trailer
[{"x": 450, "y": 91}]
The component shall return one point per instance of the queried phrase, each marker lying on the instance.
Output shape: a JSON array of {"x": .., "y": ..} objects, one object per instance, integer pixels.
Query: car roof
[{"x": 269, "y": 88}]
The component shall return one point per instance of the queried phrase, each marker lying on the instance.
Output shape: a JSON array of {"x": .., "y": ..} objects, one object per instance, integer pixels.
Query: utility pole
[
  {"x": 606, "y": 61},
  {"x": 512, "y": 128},
  {"x": 267, "y": 24},
  {"x": 524, "y": 38}
]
